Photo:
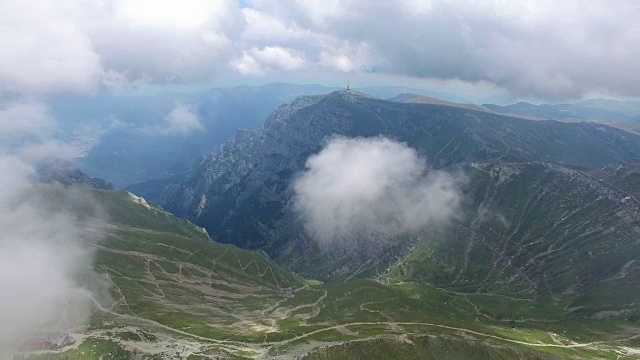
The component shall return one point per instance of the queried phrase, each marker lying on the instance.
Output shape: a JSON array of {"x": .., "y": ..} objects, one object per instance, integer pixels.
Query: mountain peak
[{"x": 351, "y": 94}]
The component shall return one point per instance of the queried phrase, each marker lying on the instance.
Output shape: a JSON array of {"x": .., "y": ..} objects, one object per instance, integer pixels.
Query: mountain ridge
[
  {"x": 242, "y": 194},
  {"x": 420, "y": 99},
  {"x": 540, "y": 262}
]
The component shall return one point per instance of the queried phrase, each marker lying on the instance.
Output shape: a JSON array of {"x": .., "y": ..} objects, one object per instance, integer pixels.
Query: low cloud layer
[
  {"x": 372, "y": 187},
  {"x": 46, "y": 266},
  {"x": 27, "y": 133},
  {"x": 180, "y": 121}
]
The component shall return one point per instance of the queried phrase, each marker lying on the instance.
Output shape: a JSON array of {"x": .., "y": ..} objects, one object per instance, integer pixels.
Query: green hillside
[
  {"x": 542, "y": 232},
  {"x": 176, "y": 294},
  {"x": 540, "y": 263}
]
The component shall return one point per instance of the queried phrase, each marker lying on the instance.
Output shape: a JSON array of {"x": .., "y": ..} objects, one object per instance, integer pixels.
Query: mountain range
[
  {"x": 127, "y": 138},
  {"x": 536, "y": 259},
  {"x": 590, "y": 109},
  {"x": 176, "y": 293},
  {"x": 242, "y": 194}
]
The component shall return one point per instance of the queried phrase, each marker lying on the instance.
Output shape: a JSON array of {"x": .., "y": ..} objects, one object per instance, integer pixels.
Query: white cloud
[
  {"x": 270, "y": 58},
  {"x": 193, "y": 13},
  {"x": 247, "y": 65},
  {"x": 21, "y": 120},
  {"x": 42, "y": 259},
  {"x": 58, "y": 46},
  {"x": 27, "y": 130},
  {"x": 278, "y": 58},
  {"x": 180, "y": 121},
  {"x": 43, "y": 51},
  {"x": 372, "y": 187},
  {"x": 542, "y": 49},
  {"x": 346, "y": 58},
  {"x": 261, "y": 26},
  {"x": 322, "y": 12},
  {"x": 416, "y": 7},
  {"x": 46, "y": 268},
  {"x": 163, "y": 42}
]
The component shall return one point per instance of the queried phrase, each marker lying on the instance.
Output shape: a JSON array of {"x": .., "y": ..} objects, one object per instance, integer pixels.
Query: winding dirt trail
[
  {"x": 387, "y": 323},
  {"x": 238, "y": 345}
]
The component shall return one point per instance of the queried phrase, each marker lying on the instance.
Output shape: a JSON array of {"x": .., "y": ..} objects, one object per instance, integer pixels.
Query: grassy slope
[
  {"x": 182, "y": 279},
  {"x": 174, "y": 293},
  {"x": 540, "y": 234},
  {"x": 426, "y": 347}
]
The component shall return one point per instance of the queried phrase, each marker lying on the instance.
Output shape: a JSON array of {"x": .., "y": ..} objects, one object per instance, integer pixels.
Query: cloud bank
[
  {"x": 372, "y": 187},
  {"x": 46, "y": 268},
  {"x": 544, "y": 49}
]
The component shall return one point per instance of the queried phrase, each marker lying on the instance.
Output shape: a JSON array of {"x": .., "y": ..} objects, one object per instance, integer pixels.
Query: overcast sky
[{"x": 549, "y": 50}]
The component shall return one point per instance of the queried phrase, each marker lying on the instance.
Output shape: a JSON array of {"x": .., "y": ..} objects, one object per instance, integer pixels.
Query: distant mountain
[
  {"x": 242, "y": 194},
  {"x": 125, "y": 139},
  {"x": 419, "y": 99},
  {"x": 388, "y": 92},
  {"x": 592, "y": 109}
]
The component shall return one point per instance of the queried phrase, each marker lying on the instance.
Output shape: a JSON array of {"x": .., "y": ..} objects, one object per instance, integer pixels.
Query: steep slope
[
  {"x": 242, "y": 194},
  {"x": 152, "y": 189},
  {"x": 537, "y": 231},
  {"x": 127, "y": 138},
  {"x": 170, "y": 283},
  {"x": 176, "y": 294}
]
